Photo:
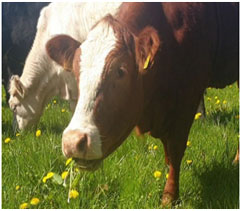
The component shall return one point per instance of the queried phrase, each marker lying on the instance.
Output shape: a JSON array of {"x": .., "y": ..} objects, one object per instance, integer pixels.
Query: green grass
[{"x": 126, "y": 178}]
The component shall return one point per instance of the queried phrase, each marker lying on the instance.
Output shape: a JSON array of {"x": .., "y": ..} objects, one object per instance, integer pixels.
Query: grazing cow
[
  {"x": 41, "y": 78},
  {"x": 147, "y": 67},
  {"x": 19, "y": 22}
]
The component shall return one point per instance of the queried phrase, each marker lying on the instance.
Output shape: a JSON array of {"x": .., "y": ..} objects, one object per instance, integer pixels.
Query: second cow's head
[{"x": 109, "y": 67}]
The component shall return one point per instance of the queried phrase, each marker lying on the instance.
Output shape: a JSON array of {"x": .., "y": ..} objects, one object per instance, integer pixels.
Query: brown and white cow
[
  {"x": 147, "y": 67},
  {"x": 42, "y": 78}
]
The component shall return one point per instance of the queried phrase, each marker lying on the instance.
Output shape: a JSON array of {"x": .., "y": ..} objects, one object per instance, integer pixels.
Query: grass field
[{"x": 126, "y": 179}]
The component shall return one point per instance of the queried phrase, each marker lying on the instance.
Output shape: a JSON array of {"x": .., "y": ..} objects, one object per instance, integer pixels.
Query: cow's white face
[
  {"x": 27, "y": 104},
  {"x": 100, "y": 41},
  {"x": 107, "y": 98},
  {"x": 24, "y": 104},
  {"x": 110, "y": 90}
]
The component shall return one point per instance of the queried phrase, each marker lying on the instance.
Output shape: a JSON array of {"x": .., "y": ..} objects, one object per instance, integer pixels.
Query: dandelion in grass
[
  {"x": 157, "y": 174},
  {"x": 49, "y": 175},
  {"x": 209, "y": 99},
  {"x": 73, "y": 194},
  {"x": 63, "y": 110},
  {"x": 54, "y": 101},
  {"x": 217, "y": 102},
  {"x": 188, "y": 143},
  {"x": 76, "y": 169},
  {"x": 189, "y": 162},
  {"x": 35, "y": 201},
  {"x": 167, "y": 175},
  {"x": 23, "y": 206},
  {"x": 69, "y": 160},
  {"x": 7, "y": 140},
  {"x": 17, "y": 134},
  {"x": 197, "y": 116},
  {"x": 17, "y": 187},
  {"x": 155, "y": 147},
  {"x": 38, "y": 133},
  {"x": 230, "y": 86},
  {"x": 216, "y": 97},
  {"x": 64, "y": 174},
  {"x": 224, "y": 102}
]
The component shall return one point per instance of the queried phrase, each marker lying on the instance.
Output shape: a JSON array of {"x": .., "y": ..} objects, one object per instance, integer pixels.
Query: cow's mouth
[{"x": 88, "y": 165}]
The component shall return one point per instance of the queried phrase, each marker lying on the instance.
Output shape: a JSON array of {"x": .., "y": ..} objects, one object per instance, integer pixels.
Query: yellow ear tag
[{"x": 146, "y": 63}]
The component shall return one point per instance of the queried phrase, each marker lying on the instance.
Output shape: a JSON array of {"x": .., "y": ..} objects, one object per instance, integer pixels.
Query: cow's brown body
[
  {"x": 192, "y": 46},
  {"x": 199, "y": 49}
]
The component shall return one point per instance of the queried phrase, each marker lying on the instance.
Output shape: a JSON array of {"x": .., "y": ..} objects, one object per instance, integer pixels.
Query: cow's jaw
[{"x": 100, "y": 41}]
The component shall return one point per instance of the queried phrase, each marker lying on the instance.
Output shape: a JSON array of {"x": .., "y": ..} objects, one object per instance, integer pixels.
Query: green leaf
[{"x": 57, "y": 179}]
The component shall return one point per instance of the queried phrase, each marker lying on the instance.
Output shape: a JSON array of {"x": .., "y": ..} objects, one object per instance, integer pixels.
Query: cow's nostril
[{"x": 82, "y": 143}]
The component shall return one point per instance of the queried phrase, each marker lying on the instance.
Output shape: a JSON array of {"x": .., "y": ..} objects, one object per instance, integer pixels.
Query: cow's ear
[
  {"x": 61, "y": 49},
  {"x": 17, "y": 87},
  {"x": 146, "y": 45}
]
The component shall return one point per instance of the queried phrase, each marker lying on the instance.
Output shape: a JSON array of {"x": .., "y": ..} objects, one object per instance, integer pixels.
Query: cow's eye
[{"x": 120, "y": 73}]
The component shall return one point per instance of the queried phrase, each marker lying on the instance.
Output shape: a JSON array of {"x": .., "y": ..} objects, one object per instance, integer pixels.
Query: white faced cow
[
  {"x": 148, "y": 67},
  {"x": 42, "y": 78}
]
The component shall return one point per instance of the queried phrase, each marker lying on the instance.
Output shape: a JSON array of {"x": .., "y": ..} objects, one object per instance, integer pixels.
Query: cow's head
[
  {"x": 44, "y": 80},
  {"x": 110, "y": 66}
]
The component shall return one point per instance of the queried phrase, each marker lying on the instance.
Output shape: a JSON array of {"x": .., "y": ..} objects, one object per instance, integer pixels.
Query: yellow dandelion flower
[
  {"x": 44, "y": 179},
  {"x": 155, "y": 147},
  {"x": 34, "y": 201},
  {"x": 68, "y": 161},
  {"x": 63, "y": 110},
  {"x": 7, "y": 140},
  {"x": 23, "y": 206},
  {"x": 54, "y": 101},
  {"x": 76, "y": 169},
  {"x": 189, "y": 162},
  {"x": 17, "y": 187},
  {"x": 38, "y": 133},
  {"x": 49, "y": 175},
  {"x": 188, "y": 143},
  {"x": 17, "y": 134},
  {"x": 73, "y": 194},
  {"x": 224, "y": 102},
  {"x": 216, "y": 97},
  {"x": 197, "y": 116},
  {"x": 209, "y": 88},
  {"x": 217, "y": 102},
  {"x": 64, "y": 174},
  {"x": 209, "y": 98},
  {"x": 230, "y": 86},
  {"x": 167, "y": 175},
  {"x": 157, "y": 174}
]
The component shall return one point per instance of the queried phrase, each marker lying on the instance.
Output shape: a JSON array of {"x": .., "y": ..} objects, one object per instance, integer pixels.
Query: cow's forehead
[{"x": 100, "y": 41}]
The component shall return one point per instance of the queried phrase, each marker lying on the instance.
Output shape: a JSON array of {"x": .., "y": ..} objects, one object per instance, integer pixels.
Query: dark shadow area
[
  {"x": 223, "y": 117},
  {"x": 220, "y": 187}
]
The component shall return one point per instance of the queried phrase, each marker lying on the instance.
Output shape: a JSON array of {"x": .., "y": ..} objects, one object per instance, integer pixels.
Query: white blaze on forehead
[{"x": 100, "y": 41}]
